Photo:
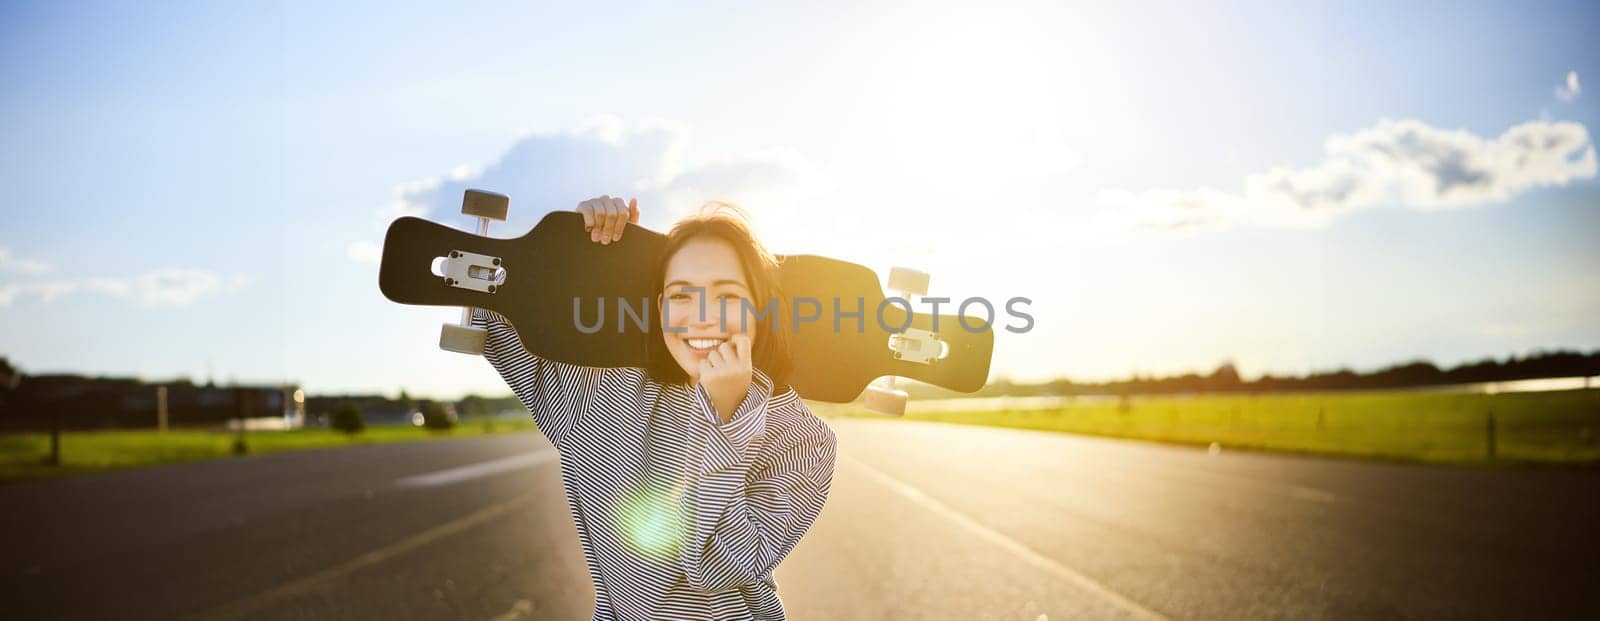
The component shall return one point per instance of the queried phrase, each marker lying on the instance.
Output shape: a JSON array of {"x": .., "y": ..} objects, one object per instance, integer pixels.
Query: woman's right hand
[{"x": 605, "y": 217}]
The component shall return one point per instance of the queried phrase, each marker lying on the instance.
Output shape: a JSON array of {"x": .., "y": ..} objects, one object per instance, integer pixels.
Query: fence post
[
  {"x": 241, "y": 412},
  {"x": 55, "y": 437},
  {"x": 161, "y": 407},
  {"x": 1489, "y": 425}
]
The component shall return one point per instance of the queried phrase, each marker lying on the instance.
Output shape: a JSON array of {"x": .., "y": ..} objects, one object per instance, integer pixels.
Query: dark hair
[{"x": 724, "y": 221}]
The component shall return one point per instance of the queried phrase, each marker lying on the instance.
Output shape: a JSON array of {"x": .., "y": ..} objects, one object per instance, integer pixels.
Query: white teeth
[{"x": 705, "y": 343}]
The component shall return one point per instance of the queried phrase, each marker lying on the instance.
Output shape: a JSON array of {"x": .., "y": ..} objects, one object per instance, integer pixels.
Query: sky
[{"x": 201, "y": 189}]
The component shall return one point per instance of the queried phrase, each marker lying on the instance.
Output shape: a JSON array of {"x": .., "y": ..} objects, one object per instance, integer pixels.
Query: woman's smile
[{"x": 704, "y": 346}]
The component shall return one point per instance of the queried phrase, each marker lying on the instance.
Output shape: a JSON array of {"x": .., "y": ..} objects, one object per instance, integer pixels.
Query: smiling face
[{"x": 703, "y": 273}]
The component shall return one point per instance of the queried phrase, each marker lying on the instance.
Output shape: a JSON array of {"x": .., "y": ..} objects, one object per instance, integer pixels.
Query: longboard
[{"x": 534, "y": 280}]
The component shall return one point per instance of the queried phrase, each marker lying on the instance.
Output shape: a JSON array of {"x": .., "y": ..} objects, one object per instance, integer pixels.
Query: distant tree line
[
  {"x": 76, "y": 402},
  {"x": 86, "y": 402},
  {"x": 39, "y": 402},
  {"x": 335, "y": 410},
  {"x": 474, "y": 405},
  {"x": 1420, "y": 373}
]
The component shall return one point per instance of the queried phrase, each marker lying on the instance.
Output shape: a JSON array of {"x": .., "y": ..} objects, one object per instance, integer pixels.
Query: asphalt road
[{"x": 926, "y": 521}]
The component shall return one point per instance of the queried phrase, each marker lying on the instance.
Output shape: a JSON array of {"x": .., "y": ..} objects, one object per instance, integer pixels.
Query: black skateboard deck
[{"x": 553, "y": 264}]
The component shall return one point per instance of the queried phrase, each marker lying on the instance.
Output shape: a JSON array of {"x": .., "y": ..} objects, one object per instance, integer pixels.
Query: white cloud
[
  {"x": 465, "y": 171},
  {"x": 237, "y": 281},
  {"x": 1571, "y": 89},
  {"x": 549, "y": 171},
  {"x": 109, "y": 286},
  {"x": 174, "y": 286},
  {"x": 49, "y": 291},
  {"x": 43, "y": 292},
  {"x": 398, "y": 203},
  {"x": 163, "y": 287},
  {"x": 546, "y": 171},
  {"x": 774, "y": 183},
  {"x": 9, "y": 263},
  {"x": 1405, "y": 163}
]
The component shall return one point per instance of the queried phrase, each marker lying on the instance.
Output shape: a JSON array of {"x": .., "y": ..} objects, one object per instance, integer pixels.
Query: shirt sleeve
[
  {"x": 556, "y": 393},
  {"x": 736, "y": 526}
]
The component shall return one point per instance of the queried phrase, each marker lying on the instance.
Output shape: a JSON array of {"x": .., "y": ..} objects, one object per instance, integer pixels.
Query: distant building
[
  {"x": 375, "y": 409},
  {"x": 121, "y": 403}
]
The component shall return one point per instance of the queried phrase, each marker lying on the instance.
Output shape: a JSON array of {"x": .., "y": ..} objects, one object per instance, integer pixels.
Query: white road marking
[
  {"x": 1008, "y": 544},
  {"x": 330, "y": 577},
  {"x": 481, "y": 469}
]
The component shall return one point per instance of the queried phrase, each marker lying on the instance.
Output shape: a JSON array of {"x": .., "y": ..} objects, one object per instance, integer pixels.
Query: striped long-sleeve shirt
[{"x": 681, "y": 515}]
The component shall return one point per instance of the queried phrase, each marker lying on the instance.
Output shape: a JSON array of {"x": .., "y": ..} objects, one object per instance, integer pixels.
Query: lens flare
[{"x": 650, "y": 521}]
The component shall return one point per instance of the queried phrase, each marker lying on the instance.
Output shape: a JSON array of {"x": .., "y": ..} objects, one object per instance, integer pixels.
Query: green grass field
[
  {"x": 22, "y": 455},
  {"x": 1546, "y": 427},
  {"x": 1542, "y": 427}
]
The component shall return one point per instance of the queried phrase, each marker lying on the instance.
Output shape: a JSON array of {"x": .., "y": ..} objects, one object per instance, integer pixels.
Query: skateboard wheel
[
  {"x": 462, "y": 339},
  {"x": 908, "y": 280},
  {"x": 885, "y": 400},
  {"x": 481, "y": 204}
]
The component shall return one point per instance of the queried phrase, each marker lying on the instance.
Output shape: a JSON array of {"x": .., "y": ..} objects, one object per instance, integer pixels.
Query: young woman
[{"x": 690, "y": 479}]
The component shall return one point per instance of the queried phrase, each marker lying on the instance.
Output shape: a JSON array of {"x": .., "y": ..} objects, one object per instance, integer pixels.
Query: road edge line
[
  {"x": 1013, "y": 546},
  {"x": 323, "y": 579}
]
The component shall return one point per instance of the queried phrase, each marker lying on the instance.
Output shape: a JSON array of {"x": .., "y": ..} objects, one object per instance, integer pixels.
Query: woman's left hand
[{"x": 726, "y": 374}]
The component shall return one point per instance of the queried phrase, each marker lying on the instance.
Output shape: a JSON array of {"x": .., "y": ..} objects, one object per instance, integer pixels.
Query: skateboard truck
[
  {"x": 917, "y": 345},
  {"x": 469, "y": 270},
  {"x": 911, "y": 345}
]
